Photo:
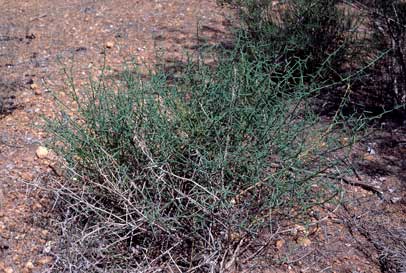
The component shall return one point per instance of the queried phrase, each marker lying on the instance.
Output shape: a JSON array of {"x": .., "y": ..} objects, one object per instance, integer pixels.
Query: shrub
[
  {"x": 176, "y": 176},
  {"x": 388, "y": 23},
  {"x": 361, "y": 40},
  {"x": 318, "y": 31}
]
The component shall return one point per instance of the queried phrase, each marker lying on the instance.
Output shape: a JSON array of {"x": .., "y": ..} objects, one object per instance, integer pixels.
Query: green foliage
[
  {"x": 172, "y": 173},
  {"x": 389, "y": 28},
  {"x": 317, "y": 31},
  {"x": 158, "y": 171},
  {"x": 334, "y": 38}
]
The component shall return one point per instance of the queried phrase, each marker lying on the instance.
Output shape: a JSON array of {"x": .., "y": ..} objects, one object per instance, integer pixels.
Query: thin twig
[
  {"x": 262, "y": 247},
  {"x": 38, "y": 17},
  {"x": 349, "y": 181},
  {"x": 235, "y": 254}
]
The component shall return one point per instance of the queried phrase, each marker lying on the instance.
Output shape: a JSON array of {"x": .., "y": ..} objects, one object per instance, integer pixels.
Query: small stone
[
  {"x": 16, "y": 258},
  {"x": 344, "y": 141},
  {"x": 29, "y": 265},
  {"x": 8, "y": 270},
  {"x": 395, "y": 200},
  {"x": 297, "y": 229},
  {"x": 322, "y": 145},
  {"x": 369, "y": 157},
  {"x": 304, "y": 241},
  {"x": 371, "y": 150},
  {"x": 45, "y": 260},
  {"x": 27, "y": 176},
  {"x": 279, "y": 244},
  {"x": 34, "y": 86},
  {"x": 48, "y": 247},
  {"x": 109, "y": 44},
  {"x": 57, "y": 168},
  {"x": 37, "y": 206},
  {"x": 234, "y": 236},
  {"x": 300, "y": 228},
  {"x": 38, "y": 92},
  {"x": 42, "y": 152}
]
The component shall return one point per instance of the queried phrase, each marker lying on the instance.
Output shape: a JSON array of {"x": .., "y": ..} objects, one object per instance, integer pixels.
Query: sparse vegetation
[
  {"x": 319, "y": 32},
  {"x": 169, "y": 174},
  {"x": 178, "y": 174},
  {"x": 387, "y": 28},
  {"x": 336, "y": 38}
]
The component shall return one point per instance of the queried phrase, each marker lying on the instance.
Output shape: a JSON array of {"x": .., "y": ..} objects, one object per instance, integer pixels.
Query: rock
[
  {"x": 395, "y": 200},
  {"x": 279, "y": 244},
  {"x": 29, "y": 265},
  {"x": 38, "y": 92},
  {"x": 109, "y": 44},
  {"x": 45, "y": 260},
  {"x": 27, "y": 176},
  {"x": 48, "y": 247},
  {"x": 34, "y": 86},
  {"x": 369, "y": 157},
  {"x": 297, "y": 229},
  {"x": 304, "y": 241},
  {"x": 57, "y": 168},
  {"x": 42, "y": 152},
  {"x": 371, "y": 151},
  {"x": 8, "y": 270},
  {"x": 37, "y": 206},
  {"x": 344, "y": 141}
]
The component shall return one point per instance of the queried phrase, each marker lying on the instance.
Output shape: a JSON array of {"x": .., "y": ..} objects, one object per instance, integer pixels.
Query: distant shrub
[
  {"x": 388, "y": 23},
  {"x": 318, "y": 31}
]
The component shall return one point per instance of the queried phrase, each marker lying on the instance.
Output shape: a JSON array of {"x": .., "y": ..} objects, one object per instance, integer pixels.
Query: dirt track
[{"x": 38, "y": 38}]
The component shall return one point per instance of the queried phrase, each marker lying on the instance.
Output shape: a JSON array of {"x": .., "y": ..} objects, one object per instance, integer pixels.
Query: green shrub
[
  {"x": 388, "y": 23},
  {"x": 362, "y": 40},
  {"x": 170, "y": 175},
  {"x": 318, "y": 31}
]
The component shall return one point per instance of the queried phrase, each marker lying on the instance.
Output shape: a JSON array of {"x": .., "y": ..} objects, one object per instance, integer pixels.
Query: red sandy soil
[{"x": 38, "y": 38}]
